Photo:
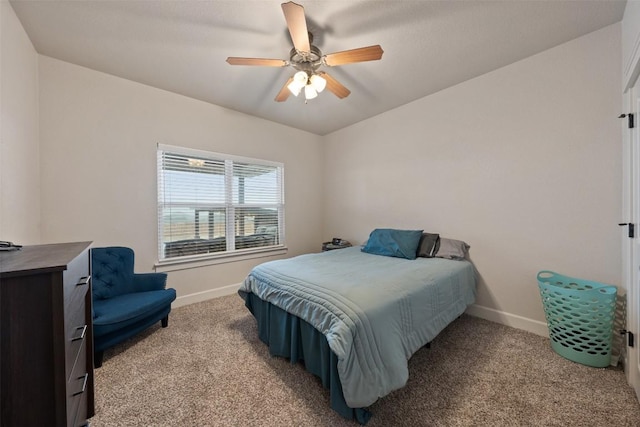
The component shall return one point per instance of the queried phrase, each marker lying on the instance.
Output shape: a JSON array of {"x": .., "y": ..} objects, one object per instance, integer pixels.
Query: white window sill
[{"x": 195, "y": 261}]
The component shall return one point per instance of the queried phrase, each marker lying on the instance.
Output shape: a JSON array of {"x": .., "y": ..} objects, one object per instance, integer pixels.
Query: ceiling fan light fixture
[
  {"x": 318, "y": 83},
  {"x": 310, "y": 92}
]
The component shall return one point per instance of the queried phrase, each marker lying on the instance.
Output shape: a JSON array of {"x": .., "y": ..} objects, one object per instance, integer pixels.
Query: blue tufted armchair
[{"x": 124, "y": 303}]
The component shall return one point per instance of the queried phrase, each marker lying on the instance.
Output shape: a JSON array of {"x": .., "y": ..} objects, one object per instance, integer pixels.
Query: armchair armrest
[{"x": 143, "y": 282}]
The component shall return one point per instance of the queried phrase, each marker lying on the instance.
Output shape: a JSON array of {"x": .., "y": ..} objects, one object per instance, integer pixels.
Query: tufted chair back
[{"x": 112, "y": 271}]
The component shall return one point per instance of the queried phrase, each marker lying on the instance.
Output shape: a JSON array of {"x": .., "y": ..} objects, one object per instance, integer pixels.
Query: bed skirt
[{"x": 291, "y": 337}]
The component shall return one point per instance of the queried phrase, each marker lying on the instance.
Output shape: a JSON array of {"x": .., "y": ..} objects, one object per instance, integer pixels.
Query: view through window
[{"x": 211, "y": 203}]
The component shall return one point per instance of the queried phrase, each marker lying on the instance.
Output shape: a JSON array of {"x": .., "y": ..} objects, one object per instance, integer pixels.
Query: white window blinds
[{"x": 211, "y": 203}]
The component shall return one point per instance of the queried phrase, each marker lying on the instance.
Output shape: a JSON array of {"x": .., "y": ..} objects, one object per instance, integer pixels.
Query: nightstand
[{"x": 329, "y": 246}]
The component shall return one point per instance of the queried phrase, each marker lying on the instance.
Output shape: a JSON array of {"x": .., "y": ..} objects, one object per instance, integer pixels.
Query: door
[{"x": 631, "y": 247}]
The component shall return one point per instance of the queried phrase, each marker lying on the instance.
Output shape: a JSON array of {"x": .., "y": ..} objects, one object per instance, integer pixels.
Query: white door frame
[{"x": 631, "y": 247}]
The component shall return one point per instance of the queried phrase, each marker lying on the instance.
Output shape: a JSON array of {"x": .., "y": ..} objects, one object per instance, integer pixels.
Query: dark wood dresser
[{"x": 46, "y": 341}]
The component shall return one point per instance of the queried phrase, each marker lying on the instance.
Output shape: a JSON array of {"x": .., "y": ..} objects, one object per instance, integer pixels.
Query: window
[{"x": 213, "y": 204}]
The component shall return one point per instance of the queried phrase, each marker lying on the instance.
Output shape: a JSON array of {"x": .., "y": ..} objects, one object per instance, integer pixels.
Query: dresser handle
[
  {"x": 83, "y": 281},
  {"x": 84, "y": 384},
  {"x": 81, "y": 337}
]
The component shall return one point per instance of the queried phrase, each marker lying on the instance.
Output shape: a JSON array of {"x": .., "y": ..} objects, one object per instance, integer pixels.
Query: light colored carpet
[{"x": 208, "y": 368}]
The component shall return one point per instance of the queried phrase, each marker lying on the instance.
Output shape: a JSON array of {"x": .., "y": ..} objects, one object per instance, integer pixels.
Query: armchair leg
[
  {"x": 97, "y": 359},
  {"x": 165, "y": 322}
]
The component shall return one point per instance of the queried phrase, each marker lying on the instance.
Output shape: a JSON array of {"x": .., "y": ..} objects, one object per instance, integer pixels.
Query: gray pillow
[
  {"x": 428, "y": 246},
  {"x": 452, "y": 249}
]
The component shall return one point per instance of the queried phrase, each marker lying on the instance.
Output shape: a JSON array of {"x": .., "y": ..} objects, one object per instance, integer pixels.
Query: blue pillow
[{"x": 395, "y": 243}]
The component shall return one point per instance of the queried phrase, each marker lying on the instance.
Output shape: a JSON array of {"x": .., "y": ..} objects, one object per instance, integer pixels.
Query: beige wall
[
  {"x": 523, "y": 163},
  {"x": 19, "y": 150},
  {"x": 98, "y": 149}
]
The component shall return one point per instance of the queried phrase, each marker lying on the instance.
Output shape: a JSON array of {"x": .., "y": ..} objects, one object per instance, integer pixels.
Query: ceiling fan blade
[
  {"x": 370, "y": 53},
  {"x": 284, "y": 92},
  {"x": 297, "y": 24},
  {"x": 335, "y": 86},
  {"x": 257, "y": 61}
]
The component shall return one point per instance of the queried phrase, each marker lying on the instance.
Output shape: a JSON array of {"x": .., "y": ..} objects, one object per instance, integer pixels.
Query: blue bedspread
[{"x": 375, "y": 311}]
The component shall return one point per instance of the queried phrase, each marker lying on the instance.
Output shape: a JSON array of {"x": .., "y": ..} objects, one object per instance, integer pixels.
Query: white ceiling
[{"x": 181, "y": 46}]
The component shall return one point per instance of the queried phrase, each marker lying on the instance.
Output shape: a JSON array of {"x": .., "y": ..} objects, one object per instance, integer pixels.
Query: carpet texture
[{"x": 208, "y": 368}]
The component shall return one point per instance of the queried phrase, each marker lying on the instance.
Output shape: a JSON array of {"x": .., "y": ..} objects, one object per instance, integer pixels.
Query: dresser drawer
[
  {"x": 75, "y": 287},
  {"x": 75, "y": 276},
  {"x": 81, "y": 415},
  {"x": 77, "y": 387},
  {"x": 76, "y": 326}
]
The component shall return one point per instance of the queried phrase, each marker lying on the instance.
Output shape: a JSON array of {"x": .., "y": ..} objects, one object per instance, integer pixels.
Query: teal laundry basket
[{"x": 580, "y": 315}]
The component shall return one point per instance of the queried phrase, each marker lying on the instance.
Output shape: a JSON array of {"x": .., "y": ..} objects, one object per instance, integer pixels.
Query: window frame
[{"x": 229, "y": 206}]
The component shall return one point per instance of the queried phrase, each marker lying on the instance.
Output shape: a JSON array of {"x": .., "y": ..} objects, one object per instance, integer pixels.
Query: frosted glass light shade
[
  {"x": 295, "y": 87},
  {"x": 299, "y": 81},
  {"x": 318, "y": 83},
  {"x": 301, "y": 77},
  {"x": 310, "y": 92}
]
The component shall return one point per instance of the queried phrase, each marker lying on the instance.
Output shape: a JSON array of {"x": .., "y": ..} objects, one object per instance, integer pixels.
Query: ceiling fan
[{"x": 307, "y": 59}]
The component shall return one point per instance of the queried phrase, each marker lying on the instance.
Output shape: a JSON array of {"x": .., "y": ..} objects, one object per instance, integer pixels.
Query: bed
[{"x": 355, "y": 318}]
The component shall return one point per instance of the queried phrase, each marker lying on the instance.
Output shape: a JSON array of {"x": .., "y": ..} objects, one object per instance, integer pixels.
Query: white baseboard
[
  {"x": 508, "y": 319},
  {"x": 205, "y": 295}
]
